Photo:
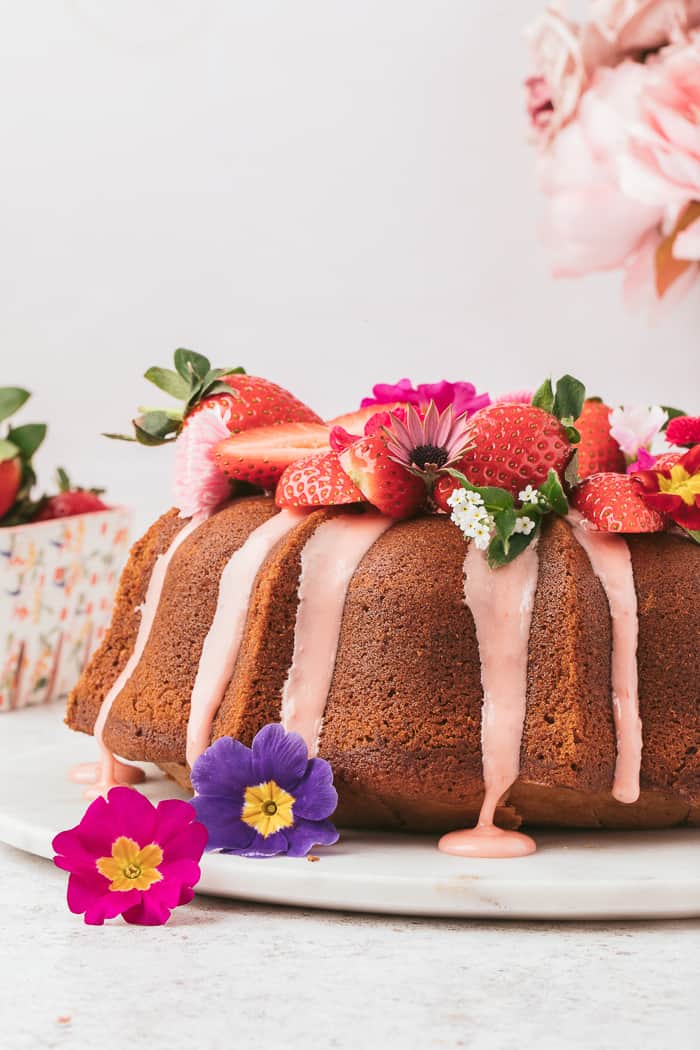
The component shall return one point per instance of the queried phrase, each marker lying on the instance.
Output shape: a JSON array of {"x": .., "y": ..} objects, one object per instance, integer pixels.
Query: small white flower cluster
[
  {"x": 524, "y": 525},
  {"x": 471, "y": 516},
  {"x": 529, "y": 495}
]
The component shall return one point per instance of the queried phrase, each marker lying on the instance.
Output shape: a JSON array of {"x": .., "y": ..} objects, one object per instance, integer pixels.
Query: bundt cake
[
  {"x": 544, "y": 672},
  {"x": 355, "y": 631}
]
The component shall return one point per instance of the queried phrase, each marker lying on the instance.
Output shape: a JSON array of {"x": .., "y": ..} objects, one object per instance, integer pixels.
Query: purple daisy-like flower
[
  {"x": 461, "y": 396},
  {"x": 426, "y": 445},
  {"x": 267, "y": 799}
]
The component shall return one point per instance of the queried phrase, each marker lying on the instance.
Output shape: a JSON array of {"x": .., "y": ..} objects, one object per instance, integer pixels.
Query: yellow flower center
[
  {"x": 267, "y": 808},
  {"x": 681, "y": 483},
  {"x": 130, "y": 867}
]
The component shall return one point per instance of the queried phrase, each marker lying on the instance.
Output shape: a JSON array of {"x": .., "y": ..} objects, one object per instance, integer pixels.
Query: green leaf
[
  {"x": 11, "y": 399},
  {"x": 573, "y": 434},
  {"x": 154, "y": 428},
  {"x": 169, "y": 381},
  {"x": 191, "y": 365},
  {"x": 495, "y": 499},
  {"x": 27, "y": 438},
  {"x": 7, "y": 450},
  {"x": 63, "y": 480},
  {"x": 505, "y": 523},
  {"x": 497, "y": 553},
  {"x": 568, "y": 399},
  {"x": 672, "y": 413},
  {"x": 554, "y": 494},
  {"x": 694, "y": 534},
  {"x": 118, "y": 437},
  {"x": 544, "y": 396}
]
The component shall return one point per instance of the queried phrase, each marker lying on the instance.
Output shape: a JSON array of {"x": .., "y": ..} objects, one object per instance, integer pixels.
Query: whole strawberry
[
  {"x": 386, "y": 484},
  {"x": 598, "y": 452},
  {"x": 17, "y": 447},
  {"x": 69, "y": 501},
  {"x": 615, "y": 503},
  {"x": 244, "y": 402}
]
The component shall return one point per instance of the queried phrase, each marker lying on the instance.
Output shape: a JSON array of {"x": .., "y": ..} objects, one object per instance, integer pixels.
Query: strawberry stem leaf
[
  {"x": 544, "y": 397},
  {"x": 568, "y": 399},
  {"x": 8, "y": 450},
  {"x": 553, "y": 493},
  {"x": 27, "y": 438},
  {"x": 191, "y": 365},
  {"x": 672, "y": 413},
  {"x": 11, "y": 399},
  {"x": 171, "y": 382}
]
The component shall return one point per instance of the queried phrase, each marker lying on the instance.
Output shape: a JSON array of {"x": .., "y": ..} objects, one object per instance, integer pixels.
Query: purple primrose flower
[{"x": 266, "y": 799}]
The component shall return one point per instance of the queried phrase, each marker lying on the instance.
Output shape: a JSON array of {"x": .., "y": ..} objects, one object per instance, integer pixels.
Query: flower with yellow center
[
  {"x": 681, "y": 483},
  {"x": 130, "y": 867},
  {"x": 268, "y": 808}
]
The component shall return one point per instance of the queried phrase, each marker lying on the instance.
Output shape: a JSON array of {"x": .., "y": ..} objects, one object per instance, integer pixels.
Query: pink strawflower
[
  {"x": 199, "y": 485},
  {"x": 515, "y": 397},
  {"x": 426, "y": 445},
  {"x": 128, "y": 857},
  {"x": 634, "y": 427},
  {"x": 684, "y": 430},
  {"x": 461, "y": 396},
  {"x": 661, "y": 163},
  {"x": 590, "y": 223}
]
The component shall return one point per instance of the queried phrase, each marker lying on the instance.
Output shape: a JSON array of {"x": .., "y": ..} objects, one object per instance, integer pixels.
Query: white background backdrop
[{"x": 329, "y": 192}]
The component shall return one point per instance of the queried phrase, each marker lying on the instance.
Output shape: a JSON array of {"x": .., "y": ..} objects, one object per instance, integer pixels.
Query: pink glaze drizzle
[
  {"x": 328, "y": 563},
  {"x": 108, "y": 772},
  {"x": 223, "y": 641},
  {"x": 611, "y": 562},
  {"x": 501, "y": 602}
]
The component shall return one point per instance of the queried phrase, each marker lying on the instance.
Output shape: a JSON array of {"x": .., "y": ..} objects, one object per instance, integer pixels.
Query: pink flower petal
[
  {"x": 199, "y": 485},
  {"x": 687, "y": 243}
]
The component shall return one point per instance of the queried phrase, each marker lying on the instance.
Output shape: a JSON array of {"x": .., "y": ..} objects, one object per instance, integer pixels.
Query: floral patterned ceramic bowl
[{"x": 57, "y": 585}]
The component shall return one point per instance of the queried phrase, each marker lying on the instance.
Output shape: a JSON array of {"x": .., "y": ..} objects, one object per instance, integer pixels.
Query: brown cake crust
[{"x": 402, "y": 727}]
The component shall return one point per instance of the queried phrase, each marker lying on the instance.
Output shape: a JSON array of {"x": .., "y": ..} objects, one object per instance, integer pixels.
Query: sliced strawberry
[
  {"x": 598, "y": 452},
  {"x": 255, "y": 402},
  {"x": 260, "y": 456},
  {"x": 355, "y": 422},
  {"x": 513, "y": 445},
  {"x": 666, "y": 460},
  {"x": 444, "y": 487},
  {"x": 385, "y": 483},
  {"x": 317, "y": 481},
  {"x": 614, "y": 503},
  {"x": 10, "y": 481}
]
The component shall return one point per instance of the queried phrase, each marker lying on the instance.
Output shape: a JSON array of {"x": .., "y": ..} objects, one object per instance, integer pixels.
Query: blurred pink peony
[
  {"x": 590, "y": 224},
  {"x": 632, "y": 26},
  {"x": 661, "y": 165},
  {"x": 563, "y": 56}
]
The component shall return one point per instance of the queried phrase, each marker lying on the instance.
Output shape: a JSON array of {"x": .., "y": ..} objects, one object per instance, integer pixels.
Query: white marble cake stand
[{"x": 584, "y": 875}]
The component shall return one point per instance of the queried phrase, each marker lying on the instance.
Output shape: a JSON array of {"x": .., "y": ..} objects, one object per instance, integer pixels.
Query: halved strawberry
[
  {"x": 354, "y": 422},
  {"x": 382, "y": 481},
  {"x": 317, "y": 481},
  {"x": 598, "y": 451},
  {"x": 260, "y": 456},
  {"x": 615, "y": 503}
]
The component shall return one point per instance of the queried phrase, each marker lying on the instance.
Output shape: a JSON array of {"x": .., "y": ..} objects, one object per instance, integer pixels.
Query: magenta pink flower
[
  {"x": 426, "y": 445},
  {"x": 684, "y": 430},
  {"x": 461, "y": 396},
  {"x": 199, "y": 484},
  {"x": 128, "y": 857}
]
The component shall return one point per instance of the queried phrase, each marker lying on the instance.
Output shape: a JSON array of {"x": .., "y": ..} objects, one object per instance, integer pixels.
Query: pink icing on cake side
[
  {"x": 328, "y": 562},
  {"x": 223, "y": 640},
  {"x": 501, "y": 602},
  {"x": 108, "y": 774},
  {"x": 611, "y": 562}
]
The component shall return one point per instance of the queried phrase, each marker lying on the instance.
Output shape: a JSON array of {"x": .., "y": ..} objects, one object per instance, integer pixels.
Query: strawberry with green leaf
[
  {"x": 17, "y": 448},
  {"x": 244, "y": 402},
  {"x": 70, "y": 500}
]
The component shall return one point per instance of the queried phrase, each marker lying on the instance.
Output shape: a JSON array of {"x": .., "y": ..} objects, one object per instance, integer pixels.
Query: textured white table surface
[{"x": 223, "y": 975}]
